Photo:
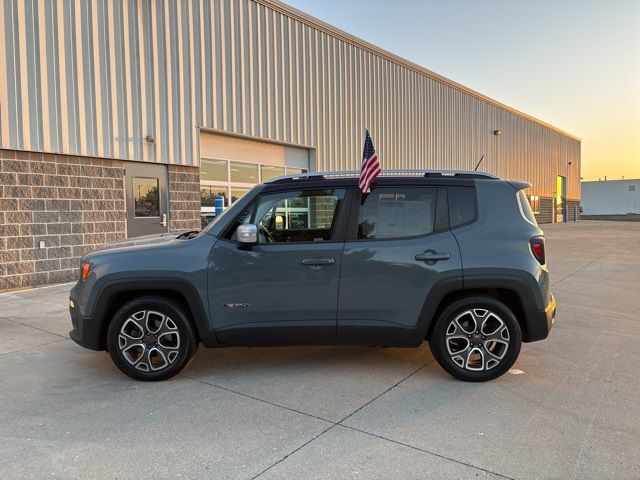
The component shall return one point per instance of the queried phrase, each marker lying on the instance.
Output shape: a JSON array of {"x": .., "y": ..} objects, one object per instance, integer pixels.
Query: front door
[
  {"x": 285, "y": 288},
  {"x": 147, "y": 199},
  {"x": 396, "y": 254}
]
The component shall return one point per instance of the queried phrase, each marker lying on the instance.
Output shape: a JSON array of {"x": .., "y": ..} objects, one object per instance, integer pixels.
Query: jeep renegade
[{"x": 454, "y": 258}]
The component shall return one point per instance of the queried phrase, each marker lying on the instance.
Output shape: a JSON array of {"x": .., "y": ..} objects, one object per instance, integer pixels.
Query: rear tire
[
  {"x": 476, "y": 339},
  {"x": 151, "y": 338}
]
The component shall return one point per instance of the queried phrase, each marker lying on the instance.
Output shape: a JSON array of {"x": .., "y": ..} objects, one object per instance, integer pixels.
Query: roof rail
[{"x": 384, "y": 173}]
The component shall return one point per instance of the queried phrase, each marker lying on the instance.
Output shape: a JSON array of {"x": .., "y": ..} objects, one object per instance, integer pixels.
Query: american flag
[{"x": 370, "y": 167}]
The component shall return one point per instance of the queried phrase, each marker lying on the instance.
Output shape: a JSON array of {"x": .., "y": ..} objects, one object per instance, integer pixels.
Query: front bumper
[{"x": 84, "y": 332}]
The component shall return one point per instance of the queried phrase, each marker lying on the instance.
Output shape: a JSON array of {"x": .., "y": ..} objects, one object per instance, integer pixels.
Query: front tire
[
  {"x": 151, "y": 339},
  {"x": 476, "y": 339}
]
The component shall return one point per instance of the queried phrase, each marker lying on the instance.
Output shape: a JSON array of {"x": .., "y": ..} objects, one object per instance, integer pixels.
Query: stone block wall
[
  {"x": 71, "y": 204},
  {"x": 545, "y": 214},
  {"x": 184, "y": 198},
  {"x": 573, "y": 210}
]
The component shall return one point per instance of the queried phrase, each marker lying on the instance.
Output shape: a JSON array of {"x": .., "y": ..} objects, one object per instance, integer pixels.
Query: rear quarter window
[
  {"x": 462, "y": 205},
  {"x": 525, "y": 208}
]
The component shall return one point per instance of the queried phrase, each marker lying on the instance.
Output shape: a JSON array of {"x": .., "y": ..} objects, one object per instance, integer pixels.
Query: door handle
[
  {"x": 432, "y": 257},
  {"x": 318, "y": 261}
]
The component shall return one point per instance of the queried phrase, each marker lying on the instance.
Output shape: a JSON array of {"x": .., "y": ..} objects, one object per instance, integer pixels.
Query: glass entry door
[
  {"x": 561, "y": 200},
  {"x": 147, "y": 199}
]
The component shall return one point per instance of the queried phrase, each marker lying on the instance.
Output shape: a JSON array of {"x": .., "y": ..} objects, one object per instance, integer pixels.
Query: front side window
[
  {"x": 297, "y": 216},
  {"x": 397, "y": 212}
]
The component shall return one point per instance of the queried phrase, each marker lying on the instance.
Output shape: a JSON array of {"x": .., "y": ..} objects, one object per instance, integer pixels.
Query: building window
[
  {"x": 238, "y": 193},
  {"x": 632, "y": 188},
  {"x": 214, "y": 170},
  {"x": 267, "y": 172},
  {"x": 234, "y": 179},
  {"x": 244, "y": 172},
  {"x": 146, "y": 196},
  {"x": 208, "y": 194},
  {"x": 534, "y": 201}
]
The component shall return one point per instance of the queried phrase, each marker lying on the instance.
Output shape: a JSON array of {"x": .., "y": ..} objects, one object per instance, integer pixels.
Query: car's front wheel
[
  {"x": 151, "y": 338},
  {"x": 476, "y": 339}
]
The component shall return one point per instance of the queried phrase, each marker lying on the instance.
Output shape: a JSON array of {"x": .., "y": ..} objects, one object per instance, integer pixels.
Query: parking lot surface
[{"x": 570, "y": 407}]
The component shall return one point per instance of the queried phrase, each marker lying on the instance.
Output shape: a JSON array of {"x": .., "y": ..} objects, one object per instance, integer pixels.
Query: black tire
[
  {"x": 447, "y": 343},
  {"x": 164, "y": 355}
]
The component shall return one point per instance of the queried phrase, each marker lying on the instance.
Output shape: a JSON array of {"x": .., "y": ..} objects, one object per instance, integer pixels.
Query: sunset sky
[{"x": 573, "y": 64}]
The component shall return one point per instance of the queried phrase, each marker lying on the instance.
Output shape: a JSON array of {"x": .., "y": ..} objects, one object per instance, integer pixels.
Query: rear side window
[
  {"x": 462, "y": 205},
  {"x": 525, "y": 208},
  {"x": 397, "y": 212}
]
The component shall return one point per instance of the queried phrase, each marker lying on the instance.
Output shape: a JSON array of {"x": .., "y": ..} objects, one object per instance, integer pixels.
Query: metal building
[
  {"x": 611, "y": 197},
  {"x": 124, "y": 117}
]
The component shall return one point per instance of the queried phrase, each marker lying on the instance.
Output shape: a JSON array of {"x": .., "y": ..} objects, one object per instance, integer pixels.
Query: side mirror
[{"x": 247, "y": 234}]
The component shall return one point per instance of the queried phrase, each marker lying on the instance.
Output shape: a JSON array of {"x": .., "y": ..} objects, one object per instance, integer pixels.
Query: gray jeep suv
[{"x": 454, "y": 258}]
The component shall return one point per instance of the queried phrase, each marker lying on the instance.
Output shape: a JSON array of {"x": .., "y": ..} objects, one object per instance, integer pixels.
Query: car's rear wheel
[
  {"x": 476, "y": 339},
  {"x": 151, "y": 338}
]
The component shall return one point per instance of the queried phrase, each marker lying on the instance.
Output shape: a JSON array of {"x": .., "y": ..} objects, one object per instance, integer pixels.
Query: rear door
[{"x": 398, "y": 247}]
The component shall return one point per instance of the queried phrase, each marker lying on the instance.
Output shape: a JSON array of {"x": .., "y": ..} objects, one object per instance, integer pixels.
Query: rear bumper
[{"x": 540, "y": 322}]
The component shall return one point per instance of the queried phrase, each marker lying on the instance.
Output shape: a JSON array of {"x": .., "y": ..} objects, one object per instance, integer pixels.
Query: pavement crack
[
  {"x": 258, "y": 399},
  {"x": 444, "y": 457},
  {"x": 385, "y": 391},
  {"x": 333, "y": 424},
  {"x": 294, "y": 451},
  {"x": 33, "y": 346},
  {"x": 31, "y": 326},
  {"x": 553, "y": 284}
]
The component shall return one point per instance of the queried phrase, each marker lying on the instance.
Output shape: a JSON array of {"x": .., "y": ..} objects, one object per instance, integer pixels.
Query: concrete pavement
[{"x": 341, "y": 412}]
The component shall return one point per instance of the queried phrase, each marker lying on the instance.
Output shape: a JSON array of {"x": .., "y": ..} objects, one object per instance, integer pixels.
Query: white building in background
[{"x": 611, "y": 197}]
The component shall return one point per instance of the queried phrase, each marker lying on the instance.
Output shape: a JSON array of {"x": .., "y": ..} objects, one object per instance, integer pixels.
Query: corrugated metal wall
[{"x": 95, "y": 77}]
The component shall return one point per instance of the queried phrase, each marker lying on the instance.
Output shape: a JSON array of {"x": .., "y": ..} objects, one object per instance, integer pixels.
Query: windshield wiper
[{"x": 190, "y": 234}]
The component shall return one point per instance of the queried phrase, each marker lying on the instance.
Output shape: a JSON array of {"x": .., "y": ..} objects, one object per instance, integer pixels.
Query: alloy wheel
[
  {"x": 149, "y": 340},
  {"x": 477, "y": 339}
]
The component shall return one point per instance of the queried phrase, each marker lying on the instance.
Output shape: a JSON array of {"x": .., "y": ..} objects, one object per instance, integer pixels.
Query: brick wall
[
  {"x": 184, "y": 198},
  {"x": 547, "y": 210},
  {"x": 545, "y": 214},
  {"x": 573, "y": 210},
  {"x": 72, "y": 204}
]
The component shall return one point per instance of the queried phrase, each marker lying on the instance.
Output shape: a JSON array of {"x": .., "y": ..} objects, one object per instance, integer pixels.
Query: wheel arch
[
  {"x": 512, "y": 291},
  {"x": 115, "y": 294}
]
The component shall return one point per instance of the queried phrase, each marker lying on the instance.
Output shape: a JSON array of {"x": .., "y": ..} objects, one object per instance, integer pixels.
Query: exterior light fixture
[
  {"x": 150, "y": 139},
  {"x": 497, "y": 132},
  {"x": 570, "y": 163}
]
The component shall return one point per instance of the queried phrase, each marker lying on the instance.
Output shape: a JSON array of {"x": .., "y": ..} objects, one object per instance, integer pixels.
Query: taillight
[
  {"x": 85, "y": 271},
  {"x": 537, "y": 248}
]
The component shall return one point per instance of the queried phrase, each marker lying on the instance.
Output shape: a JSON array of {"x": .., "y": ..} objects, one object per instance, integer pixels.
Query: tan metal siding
[{"x": 94, "y": 78}]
